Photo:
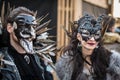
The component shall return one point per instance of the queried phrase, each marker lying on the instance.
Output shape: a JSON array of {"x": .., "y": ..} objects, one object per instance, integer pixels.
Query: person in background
[
  {"x": 117, "y": 30},
  {"x": 111, "y": 26},
  {"x": 85, "y": 58},
  {"x": 111, "y": 35},
  {"x": 111, "y": 38},
  {"x": 18, "y": 60}
]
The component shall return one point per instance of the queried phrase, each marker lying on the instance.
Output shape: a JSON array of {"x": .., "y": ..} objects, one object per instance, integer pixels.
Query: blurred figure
[
  {"x": 117, "y": 30},
  {"x": 0, "y": 26},
  {"x": 111, "y": 37},
  {"x": 111, "y": 25}
]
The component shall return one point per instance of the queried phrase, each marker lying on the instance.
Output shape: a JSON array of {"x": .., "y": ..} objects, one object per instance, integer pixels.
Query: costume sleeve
[
  {"x": 64, "y": 68},
  {"x": 114, "y": 66}
]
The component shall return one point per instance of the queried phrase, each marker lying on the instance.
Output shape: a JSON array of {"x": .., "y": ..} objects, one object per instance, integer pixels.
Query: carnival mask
[
  {"x": 89, "y": 27},
  {"x": 24, "y": 31}
]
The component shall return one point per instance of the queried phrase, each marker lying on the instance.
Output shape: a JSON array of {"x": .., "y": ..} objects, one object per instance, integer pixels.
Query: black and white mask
[
  {"x": 89, "y": 27},
  {"x": 24, "y": 25}
]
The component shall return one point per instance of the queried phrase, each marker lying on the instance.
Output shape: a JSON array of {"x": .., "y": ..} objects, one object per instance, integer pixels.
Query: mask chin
[{"x": 27, "y": 45}]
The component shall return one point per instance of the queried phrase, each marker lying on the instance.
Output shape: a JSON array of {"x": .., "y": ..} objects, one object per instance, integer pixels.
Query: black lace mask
[{"x": 89, "y": 27}]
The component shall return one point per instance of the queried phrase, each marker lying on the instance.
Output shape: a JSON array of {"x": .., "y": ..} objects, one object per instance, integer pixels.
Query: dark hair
[
  {"x": 111, "y": 21},
  {"x": 15, "y": 12},
  {"x": 99, "y": 58},
  {"x": 10, "y": 19}
]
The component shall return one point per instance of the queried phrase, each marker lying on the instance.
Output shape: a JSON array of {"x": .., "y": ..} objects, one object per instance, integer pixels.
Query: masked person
[
  {"x": 19, "y": 59},
  {"x": 85, "y": 58}
]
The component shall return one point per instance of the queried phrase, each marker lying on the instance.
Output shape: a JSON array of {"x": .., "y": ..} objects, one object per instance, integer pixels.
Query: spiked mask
[
  {"x": 88, "y": 27},
  {"x": 24, "y": 30}
]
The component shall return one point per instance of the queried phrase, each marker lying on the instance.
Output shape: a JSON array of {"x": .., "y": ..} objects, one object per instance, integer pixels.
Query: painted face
[
  {"x": 89, "y": 28},
  {"x": 24, "y": 30}
]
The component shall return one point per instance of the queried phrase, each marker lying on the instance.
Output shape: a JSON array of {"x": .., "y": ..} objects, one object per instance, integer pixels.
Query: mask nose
[{"x": 92, "y": 38}]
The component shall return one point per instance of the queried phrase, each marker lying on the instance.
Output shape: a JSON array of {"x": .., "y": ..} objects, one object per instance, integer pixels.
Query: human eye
[
  {"x": 85, "y": 33},
  {"x": 97, "y": 34}
]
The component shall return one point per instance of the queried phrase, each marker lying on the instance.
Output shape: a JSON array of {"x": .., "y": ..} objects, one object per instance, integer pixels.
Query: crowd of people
[{"x": 85, "y": 57}]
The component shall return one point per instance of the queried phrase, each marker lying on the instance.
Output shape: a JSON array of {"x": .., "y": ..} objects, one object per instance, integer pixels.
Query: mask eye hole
[
  {"x": 97, "y": 34},
  {"x": 85, "y": 33},
  {"x": 25, "y": 31}
]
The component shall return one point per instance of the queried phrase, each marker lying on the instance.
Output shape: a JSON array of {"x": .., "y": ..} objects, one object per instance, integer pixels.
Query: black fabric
[
  {"x": 1, "y": 76},
  {"x": 27, "y": 71}
]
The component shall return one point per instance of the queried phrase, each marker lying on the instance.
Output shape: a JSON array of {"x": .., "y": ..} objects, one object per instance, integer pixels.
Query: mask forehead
[{"x": 23, "y": 19}]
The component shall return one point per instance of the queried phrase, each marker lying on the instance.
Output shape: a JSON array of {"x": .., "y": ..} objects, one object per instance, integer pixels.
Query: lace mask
[{"x": 89, "y": 27}]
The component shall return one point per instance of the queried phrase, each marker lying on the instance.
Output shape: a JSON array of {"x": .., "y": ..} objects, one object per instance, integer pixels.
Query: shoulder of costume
[
  {"x": 64, "y": 62},
  {"x": 114, "y": 65},
  {"x": 64, "y": 67}
]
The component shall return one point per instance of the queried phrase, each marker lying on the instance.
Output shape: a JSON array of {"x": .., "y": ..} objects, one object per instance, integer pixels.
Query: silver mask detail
[
  {"x": 27, "y": 45},
  {"x": 27, "y": 40}
]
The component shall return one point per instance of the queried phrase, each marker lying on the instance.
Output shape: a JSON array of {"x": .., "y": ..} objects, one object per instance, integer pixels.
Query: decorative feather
[
  {"x": 45, "y": 29},
  {"x": 3, "y": 14},
  {"x": 44, "y": 46},
  {"x": 1, "y": 27},
  {"x": 66, "y": 31},
  {"x": 42, "y": 25},
  {"x": 39, "y": 20},
  {"x": 73, "y": 28}
]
